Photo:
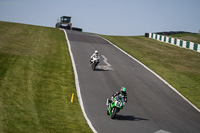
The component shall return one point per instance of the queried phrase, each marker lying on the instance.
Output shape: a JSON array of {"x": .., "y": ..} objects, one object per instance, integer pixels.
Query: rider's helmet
[
  {"x": 123, "y": 90},
  {"x": 96, "y": 52}
]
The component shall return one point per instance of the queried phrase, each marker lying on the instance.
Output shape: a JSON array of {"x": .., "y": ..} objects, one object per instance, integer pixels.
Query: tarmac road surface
[{"x": 153, "y": 107}]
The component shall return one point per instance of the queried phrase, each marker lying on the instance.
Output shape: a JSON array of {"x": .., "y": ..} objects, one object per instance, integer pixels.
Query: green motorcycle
[{"x": 115, "y": 105}]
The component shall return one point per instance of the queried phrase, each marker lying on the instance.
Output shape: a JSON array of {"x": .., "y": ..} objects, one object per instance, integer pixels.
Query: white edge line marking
[
  {"x": 77, "y": 84},
  {"x": 155, "y": 75},
  {"x": 106, "y": 60}
]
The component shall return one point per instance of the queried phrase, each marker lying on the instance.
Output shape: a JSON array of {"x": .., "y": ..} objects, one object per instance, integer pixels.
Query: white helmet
[{"x": 96, "y": 52}]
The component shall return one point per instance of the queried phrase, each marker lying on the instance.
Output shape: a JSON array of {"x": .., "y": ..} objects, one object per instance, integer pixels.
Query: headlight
[{"x": 118, "y": 104}]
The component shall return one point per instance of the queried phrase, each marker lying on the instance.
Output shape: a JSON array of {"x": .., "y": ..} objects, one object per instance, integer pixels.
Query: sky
[{"x": 107, "y": 17}]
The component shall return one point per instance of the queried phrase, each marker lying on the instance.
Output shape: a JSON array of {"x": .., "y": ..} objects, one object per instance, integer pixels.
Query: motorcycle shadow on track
[
  {"x": 129, "y": 118},
  {"x": 100, "y": 69},
  {"x": 103, "y": 68}
]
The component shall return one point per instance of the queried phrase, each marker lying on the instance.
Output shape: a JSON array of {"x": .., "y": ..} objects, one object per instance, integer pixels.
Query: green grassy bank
[
  {"x": 36, "y": 82},
  {"x": 192, "y": 37},
  {"x": 178, "y": 66}
]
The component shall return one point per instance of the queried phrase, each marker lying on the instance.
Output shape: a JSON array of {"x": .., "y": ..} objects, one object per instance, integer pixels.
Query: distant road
[{"x": 152, "y": 105}]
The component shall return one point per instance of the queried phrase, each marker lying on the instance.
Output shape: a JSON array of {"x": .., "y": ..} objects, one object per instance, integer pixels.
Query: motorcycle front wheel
[
  {"x": 108, "y": 112},
  {"x": 113, "y": 113},
  {"x": 93, "y": 66}
]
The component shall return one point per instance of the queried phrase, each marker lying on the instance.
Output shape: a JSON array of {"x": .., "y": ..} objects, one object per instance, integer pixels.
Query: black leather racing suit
[{"x": 124, "y": 95}]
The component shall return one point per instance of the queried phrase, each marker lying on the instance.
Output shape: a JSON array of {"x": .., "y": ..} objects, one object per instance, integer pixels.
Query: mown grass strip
[
  {"x": 178, "y": 66},
  {"x": 37, "y": 81},
  {"x": 191, "y": 37}
]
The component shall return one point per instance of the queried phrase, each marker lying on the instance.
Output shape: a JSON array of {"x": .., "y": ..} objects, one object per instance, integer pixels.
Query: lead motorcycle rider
[
  {"x": 95, "y": 55},
  {"x": 122, "y": 92}
]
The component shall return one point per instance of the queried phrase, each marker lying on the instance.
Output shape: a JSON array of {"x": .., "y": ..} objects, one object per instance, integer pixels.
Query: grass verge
[
  {"x": 36, "y": 82},
  {"x": 192, "y": 37},
  {"x": 178, "y": 66}
]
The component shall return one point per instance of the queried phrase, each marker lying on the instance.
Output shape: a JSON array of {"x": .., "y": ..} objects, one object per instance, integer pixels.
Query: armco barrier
[{"x": 174, "y": 41}]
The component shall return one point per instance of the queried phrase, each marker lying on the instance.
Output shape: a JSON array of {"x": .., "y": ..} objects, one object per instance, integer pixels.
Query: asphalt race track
[{"x": 153, "y": 107}]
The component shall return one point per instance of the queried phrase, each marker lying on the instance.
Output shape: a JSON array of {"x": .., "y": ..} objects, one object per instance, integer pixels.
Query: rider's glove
[{"x": 112, "y": 98}]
